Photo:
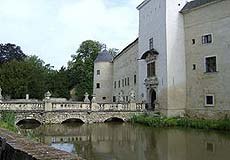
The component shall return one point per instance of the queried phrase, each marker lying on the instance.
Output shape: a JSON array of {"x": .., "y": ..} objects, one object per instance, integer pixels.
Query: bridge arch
[
  {"x": 29, "y": 120},
  {"x": 114, "y": 119},
  {"x": 72, "y": 120}
]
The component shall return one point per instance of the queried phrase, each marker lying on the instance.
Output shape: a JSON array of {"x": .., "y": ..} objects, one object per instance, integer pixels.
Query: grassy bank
[
  {"x": 7, "y": 121},
  {"x": 182, "y": 122}
]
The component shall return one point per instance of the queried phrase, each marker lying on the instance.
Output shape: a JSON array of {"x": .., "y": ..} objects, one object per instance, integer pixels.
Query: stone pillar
[
  {"x": 86, "y": 100},
  {"x": 48, "y": 103}
]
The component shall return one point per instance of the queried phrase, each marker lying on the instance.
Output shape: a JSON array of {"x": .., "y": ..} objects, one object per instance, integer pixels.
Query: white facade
[{"x": 162, "y": 21}]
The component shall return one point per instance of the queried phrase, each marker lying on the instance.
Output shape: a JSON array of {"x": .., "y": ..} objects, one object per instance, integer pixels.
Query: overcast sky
[{"x": 53, "y": 29}]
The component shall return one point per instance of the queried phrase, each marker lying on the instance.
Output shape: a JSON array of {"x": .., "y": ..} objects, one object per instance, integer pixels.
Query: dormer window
[{"x": 150, "y": 43}]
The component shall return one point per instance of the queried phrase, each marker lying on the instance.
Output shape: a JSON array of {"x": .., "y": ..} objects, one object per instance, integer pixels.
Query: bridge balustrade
[
  {"x": 120, "y": 107},
  {"x": 79, "y": 106},
  {"x": 69, "y": 106},
  {"x": 22, "y": 106}
]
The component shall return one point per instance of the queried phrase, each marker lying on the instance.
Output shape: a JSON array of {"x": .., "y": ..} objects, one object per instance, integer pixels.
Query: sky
[{"x": 54, "y": 29}]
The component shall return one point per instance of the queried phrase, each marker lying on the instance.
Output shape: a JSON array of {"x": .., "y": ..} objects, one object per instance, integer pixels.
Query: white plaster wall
[
  {"x": 176, "y": 68},
  {"x": 105, "y": 79},
  {"x": 124, "y": 66},
  {"x": 213, "y": 19},
  {"x": 152, "y": 23}
]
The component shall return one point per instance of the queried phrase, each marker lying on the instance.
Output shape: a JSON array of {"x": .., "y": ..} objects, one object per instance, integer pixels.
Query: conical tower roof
[{"x": 104, "y": 56}]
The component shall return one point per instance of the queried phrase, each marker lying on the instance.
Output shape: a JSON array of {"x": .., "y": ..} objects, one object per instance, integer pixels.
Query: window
[
  {"x": 125, "y": 82},
  {"x": 104, "y": 98},
  {"x": 128, "y": 81},
  {"x": 193, "y": 41},
  {"x": 122, "y": 82},
  {"x": 151, "y": 69},
  {"x": 151, "y": 43},
  {"x": 127, "y": 98},
  {"x": 210, "y": 147},
  {"x": 115, "y": 84},
  {"x": 210, "y": 64},
  {"x": 206, "y": 39},
  {"x": 119, "y": 84},
  {"x": 194, "y": 67},
  {"x": 98, "y": 72},
  {"x": 209, "y": 100},
  {"x": 114, "y": 98},
  {"x": 135, "y": 79},
  {"x": 98, "y": 85}
]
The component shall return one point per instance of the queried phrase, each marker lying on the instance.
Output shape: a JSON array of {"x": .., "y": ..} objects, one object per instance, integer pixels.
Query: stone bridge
[{"x": 49, "y": 112}]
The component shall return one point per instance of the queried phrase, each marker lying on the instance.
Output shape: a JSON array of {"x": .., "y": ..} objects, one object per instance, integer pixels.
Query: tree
[
  {"x": 81, "y": 67},
  {"x": 18, "y": 78},
  {"x": 58, "y": 83},
  {"x": 10, "y": 52},
  {"x": 113, "y": 51}
]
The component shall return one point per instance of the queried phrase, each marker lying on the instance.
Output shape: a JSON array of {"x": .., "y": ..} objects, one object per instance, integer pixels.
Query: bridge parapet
[
  {"x": 80, "y": 106},
  {"x": 68, "y": 105},
  {"x": 22, "y": 106},
  {"x": 117, "y": 107}
]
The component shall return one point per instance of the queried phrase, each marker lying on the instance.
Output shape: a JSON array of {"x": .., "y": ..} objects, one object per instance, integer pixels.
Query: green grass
[
  {"x": 185, "y": 122},
  {"x": 7, "y": 121}
]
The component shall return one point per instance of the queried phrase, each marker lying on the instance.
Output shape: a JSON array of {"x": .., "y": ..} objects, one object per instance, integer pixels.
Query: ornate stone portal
[{"x": 151, "y": 82}]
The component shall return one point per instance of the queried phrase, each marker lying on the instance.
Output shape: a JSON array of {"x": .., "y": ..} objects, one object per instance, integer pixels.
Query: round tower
[{"x": 103, "y": 77}]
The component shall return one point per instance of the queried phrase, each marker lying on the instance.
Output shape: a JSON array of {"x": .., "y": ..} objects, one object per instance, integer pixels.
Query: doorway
[{"x": 153, "y": 97}]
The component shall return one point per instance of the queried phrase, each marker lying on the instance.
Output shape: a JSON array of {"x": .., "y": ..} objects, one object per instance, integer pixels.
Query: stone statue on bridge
[
  {"x": 132, "y": 96},
  {"x": 120, "y": 97},
  {"x": 47, "y": 95}
]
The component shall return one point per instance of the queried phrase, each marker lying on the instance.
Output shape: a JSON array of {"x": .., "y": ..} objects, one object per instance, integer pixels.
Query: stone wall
[
  {"x": 15, "y": 147},
  {"x": 211, "y": 19},
  {"x": 125, "y": 67}
]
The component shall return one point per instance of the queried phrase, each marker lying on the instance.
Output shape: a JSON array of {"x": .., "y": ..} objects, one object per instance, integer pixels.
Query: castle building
[{"x": 180, "y": 62}]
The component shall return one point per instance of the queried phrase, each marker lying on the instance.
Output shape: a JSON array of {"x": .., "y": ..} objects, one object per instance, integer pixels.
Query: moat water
[{"x": 124, "y": 141}]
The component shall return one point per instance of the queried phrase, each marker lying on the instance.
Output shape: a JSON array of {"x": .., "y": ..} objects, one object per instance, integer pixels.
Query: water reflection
[{"x": 122, "y": 141}]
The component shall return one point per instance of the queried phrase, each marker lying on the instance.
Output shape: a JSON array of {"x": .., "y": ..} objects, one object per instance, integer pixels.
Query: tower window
[
  {"x": 125, "y": 82},
  {"x": 128, "y": 81},
  {"x": 206, "y": 39},
  {"x": 119, "y": 84},
  {"x": 210, "y": 64},
  {"x": 122, "y": 82},
  {"x": 193, "y": 41},
  {"x": 98, "y": 85},
  {"x": 194, "y": 67},
  {"x": 98, "y": 72}
]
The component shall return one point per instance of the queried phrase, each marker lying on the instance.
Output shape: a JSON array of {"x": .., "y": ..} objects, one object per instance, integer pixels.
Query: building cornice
[
  {"x": 143, "y": 4},
  {"x": 187, "y": 10}
]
